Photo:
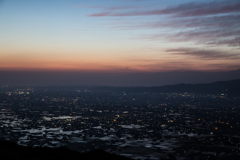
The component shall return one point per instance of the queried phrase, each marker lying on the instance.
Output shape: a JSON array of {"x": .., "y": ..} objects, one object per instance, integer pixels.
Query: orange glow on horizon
[{"x": 91, "y": 63}]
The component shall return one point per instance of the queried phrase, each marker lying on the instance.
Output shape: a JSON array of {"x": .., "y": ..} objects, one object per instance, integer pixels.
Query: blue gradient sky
[{"x": 125, "y": 36}]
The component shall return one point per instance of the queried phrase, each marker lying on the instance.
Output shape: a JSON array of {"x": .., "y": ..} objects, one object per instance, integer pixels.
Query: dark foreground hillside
[{"x": 12, "y": 151}]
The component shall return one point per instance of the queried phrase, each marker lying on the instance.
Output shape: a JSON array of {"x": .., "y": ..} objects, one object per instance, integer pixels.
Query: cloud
[
  {"x": 225, "y": 66},
  {"x": 183, "y": 10},
  {"x": 207, "y": 8},
  {"x": 214, "y": 30},
  {"x": 209, "y": 23},
  {"x": 203, "y": 54},
  {"x": 221, "y": 21},
  {"x": 107, "y": 9},
  {"x": 234, "y": 42},
  {"x": 207, "y": 37}
]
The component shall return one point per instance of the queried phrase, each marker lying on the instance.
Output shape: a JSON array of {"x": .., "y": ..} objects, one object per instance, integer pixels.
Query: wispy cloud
[
  {"x": 209, "y": 23},
  {"x": 203, "y": 54},
  {"x": 216, "y": 30},
  {"x": 184, "y": 10},
  {"x": 234, "y": 42},
  {"x": 212, "y": 24},
  {"x": 226, "y": 67},
  {"x": 107, "y": 9}
]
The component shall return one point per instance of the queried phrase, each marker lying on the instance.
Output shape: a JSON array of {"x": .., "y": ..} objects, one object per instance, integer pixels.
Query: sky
[{"x": 130, "y": 39}]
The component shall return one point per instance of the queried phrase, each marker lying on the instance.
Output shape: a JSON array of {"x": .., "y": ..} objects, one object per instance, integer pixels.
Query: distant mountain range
[
  {"x": 231, "y": 87},
  {"x": 77, "y": 78},
  {"x": 221, "y": 87}
]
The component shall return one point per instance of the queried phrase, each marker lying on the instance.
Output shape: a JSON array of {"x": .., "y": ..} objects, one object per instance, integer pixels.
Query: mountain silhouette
[{"x": 231, "y": 88}]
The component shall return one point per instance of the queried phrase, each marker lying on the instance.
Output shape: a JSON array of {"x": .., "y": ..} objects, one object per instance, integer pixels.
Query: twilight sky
[{"x": 120, "y": 37}]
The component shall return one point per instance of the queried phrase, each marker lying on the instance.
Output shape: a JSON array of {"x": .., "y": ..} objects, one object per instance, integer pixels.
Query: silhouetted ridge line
[
  {"x": 231, "y": 88},
  {"x": 221, "y": 87}
]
